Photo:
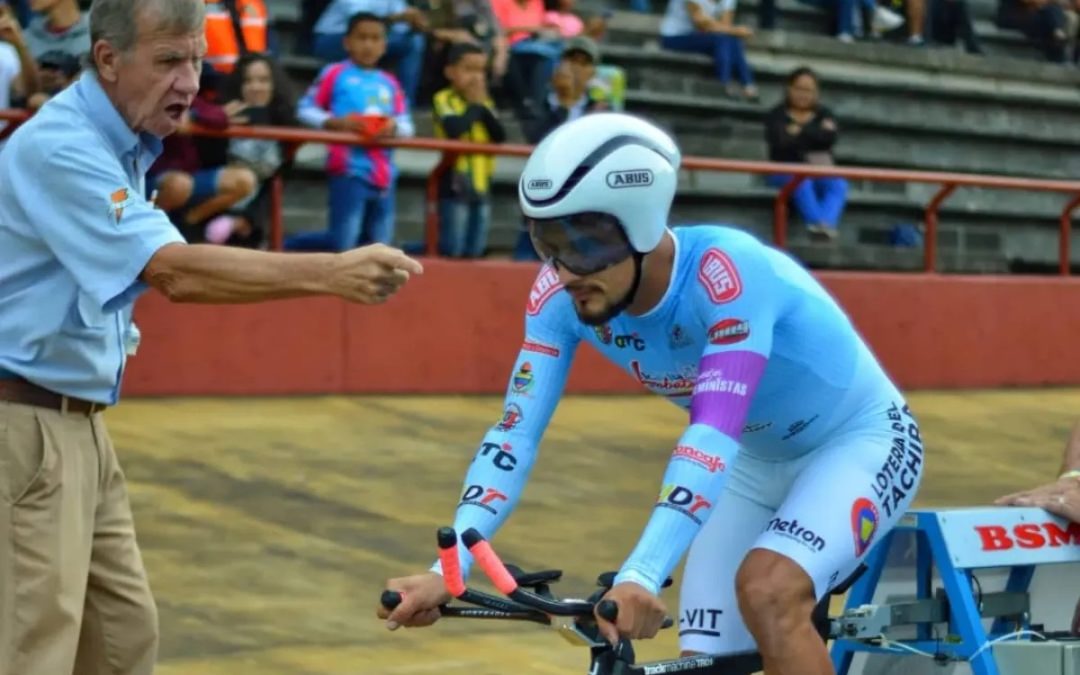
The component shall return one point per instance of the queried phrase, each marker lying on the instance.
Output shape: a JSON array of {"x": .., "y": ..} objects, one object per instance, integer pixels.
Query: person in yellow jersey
[{"x": 464, "y": 111}]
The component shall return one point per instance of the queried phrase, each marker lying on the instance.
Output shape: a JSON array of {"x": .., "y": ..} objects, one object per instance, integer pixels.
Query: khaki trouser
[{"x": 74, "y": 597}]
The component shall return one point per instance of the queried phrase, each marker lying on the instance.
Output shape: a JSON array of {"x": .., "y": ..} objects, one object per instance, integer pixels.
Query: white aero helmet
[{"x": 598, "y": 189}]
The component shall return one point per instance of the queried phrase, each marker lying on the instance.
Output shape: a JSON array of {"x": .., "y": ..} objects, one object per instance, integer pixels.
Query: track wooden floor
[{"x": 268, "y": 526}]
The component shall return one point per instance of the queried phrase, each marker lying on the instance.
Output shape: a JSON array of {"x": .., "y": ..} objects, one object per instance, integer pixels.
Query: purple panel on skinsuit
[{"x": 725, "y": 386}]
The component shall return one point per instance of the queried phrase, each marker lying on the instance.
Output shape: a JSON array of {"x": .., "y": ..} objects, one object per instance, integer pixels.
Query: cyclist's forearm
[
  {"x": 492, "y": 487},
  {"x": 692, "y": 484}
]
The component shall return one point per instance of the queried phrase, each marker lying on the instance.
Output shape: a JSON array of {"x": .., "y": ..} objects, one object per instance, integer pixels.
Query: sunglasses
[{"x": 583, "y": 243}]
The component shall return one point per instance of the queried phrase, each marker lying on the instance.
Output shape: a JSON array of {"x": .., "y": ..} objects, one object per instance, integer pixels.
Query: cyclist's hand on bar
[
  {"x": 641, "y": 613},
  {"x": 422, "y": 594}
]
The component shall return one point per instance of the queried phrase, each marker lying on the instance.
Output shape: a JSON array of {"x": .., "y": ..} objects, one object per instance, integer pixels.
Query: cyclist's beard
[{"x": 615, "y": 309}]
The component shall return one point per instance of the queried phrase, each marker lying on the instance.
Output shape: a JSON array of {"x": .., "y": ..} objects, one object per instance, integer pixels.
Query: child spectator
[
  {"x": 800, "y": 129},
  {"x": 258, "y": 84},
  {"x": 464, "y": 111},
  {"x": 355, "y": 96},
  {"x": 406, "y": 39}
]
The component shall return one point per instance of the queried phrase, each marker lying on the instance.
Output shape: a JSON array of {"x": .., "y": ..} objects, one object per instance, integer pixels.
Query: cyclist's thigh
[
  {"x": 847, "y": 498},
  {"x": 709, "y": 620}
]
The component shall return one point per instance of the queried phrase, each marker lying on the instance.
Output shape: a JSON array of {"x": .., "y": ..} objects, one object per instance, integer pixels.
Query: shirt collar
[{"x": 109, "y": 121}]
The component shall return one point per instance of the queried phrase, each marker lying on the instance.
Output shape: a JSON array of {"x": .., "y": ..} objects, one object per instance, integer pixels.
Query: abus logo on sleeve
[
  {"x": 630, "y": 178},
  {"x": 539, "y": 184}
]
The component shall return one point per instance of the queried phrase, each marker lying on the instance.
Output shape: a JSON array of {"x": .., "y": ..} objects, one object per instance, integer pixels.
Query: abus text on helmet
[{"x": 628, "y": 178}]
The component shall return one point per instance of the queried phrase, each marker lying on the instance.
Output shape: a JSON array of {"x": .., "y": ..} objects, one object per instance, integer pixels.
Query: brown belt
[{"x": 18, "y": 390}]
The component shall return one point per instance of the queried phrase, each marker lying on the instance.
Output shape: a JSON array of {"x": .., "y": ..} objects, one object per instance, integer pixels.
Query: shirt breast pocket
[{"x": 86, "y": 317}]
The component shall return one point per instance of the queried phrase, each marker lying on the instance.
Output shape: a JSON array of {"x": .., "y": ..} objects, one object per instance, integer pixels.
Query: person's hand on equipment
[
  {"x": 421, "y": 596},
  {"x": 371, "y": 274},
  {"x": 641, "y": 614},
  {"x": 1062, "y": 498}
]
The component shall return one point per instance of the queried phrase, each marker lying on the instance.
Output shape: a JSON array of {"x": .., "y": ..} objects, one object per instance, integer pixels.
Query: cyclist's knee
[{"x": 772, "y": 588}]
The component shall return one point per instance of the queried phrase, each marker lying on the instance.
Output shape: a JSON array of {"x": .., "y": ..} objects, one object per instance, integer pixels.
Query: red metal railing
[{"x": 450, "y": 150}]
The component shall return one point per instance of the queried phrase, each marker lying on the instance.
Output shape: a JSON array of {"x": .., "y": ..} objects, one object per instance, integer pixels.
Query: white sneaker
[
  {"x": 845, "y": 37},
  {"x": 886, "y": 20}
]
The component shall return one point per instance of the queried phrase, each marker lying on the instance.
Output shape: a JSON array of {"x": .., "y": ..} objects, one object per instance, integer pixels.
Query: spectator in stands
[
  {"x": 951, "y": 20},
  {"x": 56, "y": 71},
  {"x": 605, "y": 85},
  {"x": 234, "y": 28},
  {"x": 454, "y": 22},
  {"x": 356, "y": 96},
  {"x": 915, "y": 12},
  {"x": 704, "y": 26},
  {"x": 405, "y": 44},
  {"x": 535, "y": 46},
  {"x": 568, "y": 100},
  {"x": 191, "y": 192},
  {"x": 465, "y": 111},
  {"x": 801, "y": 130},
  {"x": 259, "y": 85},
  {"x": 562, "y": 17},
  {"x": 876, "y": 19},
  {"x": 1042, "y": 21},
  {"x": 58, "y": 26},
  {"x": 18, "y": 72}
]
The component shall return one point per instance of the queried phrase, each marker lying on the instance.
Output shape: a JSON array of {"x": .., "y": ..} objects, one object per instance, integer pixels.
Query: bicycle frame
[{"x": 541, "y": 606}]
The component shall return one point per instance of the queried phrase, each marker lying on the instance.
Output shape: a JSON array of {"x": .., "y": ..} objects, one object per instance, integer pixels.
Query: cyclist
[{"x": 799, "y": 455}]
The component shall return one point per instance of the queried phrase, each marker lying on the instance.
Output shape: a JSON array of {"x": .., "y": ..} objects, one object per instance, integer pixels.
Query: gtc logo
[
  {"x": 719, "y": 276},
  {"x": 603, "y": 333},
  {"x": 502, "y": 457},
  {"x": 684, "y": 501}
]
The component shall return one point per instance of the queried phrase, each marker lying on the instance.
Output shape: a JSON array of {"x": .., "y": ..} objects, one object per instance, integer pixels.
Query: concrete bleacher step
[{"x": 637, "y": 29}]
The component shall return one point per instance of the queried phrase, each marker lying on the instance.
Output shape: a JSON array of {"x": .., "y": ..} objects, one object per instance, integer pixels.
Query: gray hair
[{"x": 116, "y": 21}]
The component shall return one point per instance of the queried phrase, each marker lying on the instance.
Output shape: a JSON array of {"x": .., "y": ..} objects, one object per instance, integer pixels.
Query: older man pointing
[{"x": 78, "y": 244}]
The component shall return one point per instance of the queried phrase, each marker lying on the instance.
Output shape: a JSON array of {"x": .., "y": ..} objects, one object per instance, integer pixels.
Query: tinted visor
[{"x": 583, "y": 243}]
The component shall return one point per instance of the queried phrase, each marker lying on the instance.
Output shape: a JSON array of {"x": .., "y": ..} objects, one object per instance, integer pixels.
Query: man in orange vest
[{"x": 222, "y": 19}]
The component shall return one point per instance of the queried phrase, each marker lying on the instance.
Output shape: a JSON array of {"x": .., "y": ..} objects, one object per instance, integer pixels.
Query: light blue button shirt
[{"x": 75, "y": 234}]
